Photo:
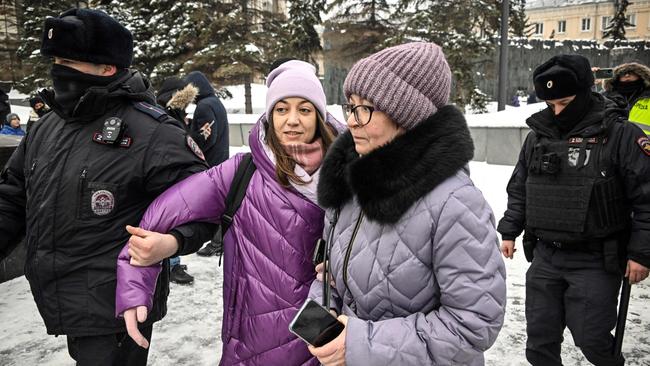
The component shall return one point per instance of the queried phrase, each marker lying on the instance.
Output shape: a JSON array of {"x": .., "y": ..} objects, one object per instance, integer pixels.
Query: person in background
[
  {"x": 580, "y": 191},
  {"x": 38, "y": 110},
  {"x": 210, "y": 121},
  {"x": 630, "y": 89},
  {"x": 515, "y": 100},
  {"x": 175, "y": 95},
  {"x": 269, "y": 246},
  {"x": 5, "y": 107},
  {"x": 210, "y": 127},
  {"x": 418, "y": 279},
  {"x": 12, "y": 127}
]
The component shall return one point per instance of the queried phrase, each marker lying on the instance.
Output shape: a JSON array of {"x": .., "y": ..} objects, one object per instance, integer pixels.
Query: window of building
[
  {"x": 539, "y": 29},
  {"x": 561, "y": 26},
  {"x": 631, "y": 18},
  {"x": 586, "y": 24},
  {"x": 605, "y": 23}
]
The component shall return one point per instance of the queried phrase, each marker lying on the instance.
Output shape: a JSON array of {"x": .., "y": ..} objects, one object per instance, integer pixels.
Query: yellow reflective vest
[{"x": 640, "y": 114}]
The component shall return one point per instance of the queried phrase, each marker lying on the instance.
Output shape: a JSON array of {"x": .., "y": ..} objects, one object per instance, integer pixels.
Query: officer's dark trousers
[
  {"x": 109, "y": 350},
  {"x": 570, "y": 288}
]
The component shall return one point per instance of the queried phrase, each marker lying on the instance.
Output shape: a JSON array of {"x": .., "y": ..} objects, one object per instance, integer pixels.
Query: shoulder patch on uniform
[
  {"x": 644, "y": 144},
  {"x": 194, "y": 147},
  {"x": 150, "y": 109}
]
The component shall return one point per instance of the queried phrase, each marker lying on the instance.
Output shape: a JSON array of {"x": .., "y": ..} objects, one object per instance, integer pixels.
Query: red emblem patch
[
  {"x": 644, "y": 144},
  {"x": 195, "y": 148}
]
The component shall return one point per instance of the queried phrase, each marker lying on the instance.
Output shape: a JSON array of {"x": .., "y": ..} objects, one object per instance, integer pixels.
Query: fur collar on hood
[
  {"x": 388, "y": 180},
  {"x": 183, "y": 97},
  {"x": 199, "y": 80},
  {"x": 641, "y": 71}
]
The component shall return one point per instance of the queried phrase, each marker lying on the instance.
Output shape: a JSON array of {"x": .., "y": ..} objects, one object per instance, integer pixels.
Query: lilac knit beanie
[
  {"x": 295, "y": 79},
  {"x": 408, "y": 82}
]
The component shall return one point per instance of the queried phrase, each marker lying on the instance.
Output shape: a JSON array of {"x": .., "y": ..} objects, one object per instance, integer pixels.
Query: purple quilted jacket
[{"x": 267, "y": 257}]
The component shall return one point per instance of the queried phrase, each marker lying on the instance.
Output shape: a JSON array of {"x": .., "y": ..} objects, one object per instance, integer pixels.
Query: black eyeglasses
[{"x": 362, "y": 113}]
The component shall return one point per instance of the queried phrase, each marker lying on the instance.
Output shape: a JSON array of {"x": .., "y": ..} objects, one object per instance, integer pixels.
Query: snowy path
[{"x": 189, "y": 335}]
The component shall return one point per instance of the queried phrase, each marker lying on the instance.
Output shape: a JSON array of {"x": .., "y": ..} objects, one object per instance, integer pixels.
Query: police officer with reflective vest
[
  {"x": 84, "y": 173},
  {"x": 580, "y": 190},
  {"x": 630, "y": 88}
]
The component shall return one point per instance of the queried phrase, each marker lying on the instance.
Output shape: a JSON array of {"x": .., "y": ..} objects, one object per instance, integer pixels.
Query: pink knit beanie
[
  {"x": 295, "y": 79},
  {"x": 408, "y": 82}
]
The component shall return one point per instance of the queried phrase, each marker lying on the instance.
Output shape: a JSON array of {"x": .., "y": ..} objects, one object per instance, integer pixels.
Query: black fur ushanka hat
[
  {"x": 562, "y": 76},
  {"x": 88, "y": 35}
]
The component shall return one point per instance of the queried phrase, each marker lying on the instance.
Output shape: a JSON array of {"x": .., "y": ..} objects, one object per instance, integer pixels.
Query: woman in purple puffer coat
[{"x": 268, "y": 248}]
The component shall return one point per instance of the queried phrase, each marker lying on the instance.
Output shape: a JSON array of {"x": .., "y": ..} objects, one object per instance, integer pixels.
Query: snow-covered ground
[{"x": 189, "y": 335}]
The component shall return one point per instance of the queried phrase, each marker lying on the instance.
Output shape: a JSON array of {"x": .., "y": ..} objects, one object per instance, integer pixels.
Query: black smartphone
[
  {"x": 604, "y": 73},
  {"x": 315, "y": 325},
  {"x": 319, "y": 252}
]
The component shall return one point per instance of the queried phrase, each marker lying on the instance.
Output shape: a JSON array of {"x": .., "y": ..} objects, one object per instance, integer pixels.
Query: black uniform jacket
[
  {"x": 628, "y": 151},
  {"x": 72, "y": 196}
]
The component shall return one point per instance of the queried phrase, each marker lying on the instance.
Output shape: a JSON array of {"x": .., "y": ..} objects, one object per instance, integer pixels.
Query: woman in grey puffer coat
[{"x": 418, "y": 279}]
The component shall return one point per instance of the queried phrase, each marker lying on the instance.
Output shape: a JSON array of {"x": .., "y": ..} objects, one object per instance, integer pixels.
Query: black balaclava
[
  {"x": 629, "y": 88},
  {"x": 574, "y": 112},
  {"x": 70, "y": 85}
]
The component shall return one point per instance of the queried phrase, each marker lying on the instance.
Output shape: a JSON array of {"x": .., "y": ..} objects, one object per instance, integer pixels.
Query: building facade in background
[{"x": 584, "y": 19}]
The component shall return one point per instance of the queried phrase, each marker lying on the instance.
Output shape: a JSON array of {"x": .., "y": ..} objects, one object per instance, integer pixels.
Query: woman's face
[
  {"x": 294, "y": 120},
  {"x": 378, "y": 131}
]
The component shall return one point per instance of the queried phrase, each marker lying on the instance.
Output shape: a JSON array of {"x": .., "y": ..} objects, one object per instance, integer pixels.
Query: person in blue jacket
[{"x": 13, "y": 126}]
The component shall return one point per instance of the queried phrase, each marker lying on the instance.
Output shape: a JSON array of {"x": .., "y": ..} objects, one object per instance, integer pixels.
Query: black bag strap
[
  {"x": 234, "y": 198},
  {"x": 237, "y": 191},
  {"x": 326, "y": 260}
]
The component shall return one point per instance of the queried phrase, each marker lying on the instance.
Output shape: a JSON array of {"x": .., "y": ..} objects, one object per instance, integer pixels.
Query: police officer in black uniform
[
  {"x": 84, "y": 173},
  {"x": 580, "y": 190}
]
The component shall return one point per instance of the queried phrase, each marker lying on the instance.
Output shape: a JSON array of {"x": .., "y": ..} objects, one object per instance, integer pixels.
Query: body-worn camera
[{"x": 112, "y": 130}]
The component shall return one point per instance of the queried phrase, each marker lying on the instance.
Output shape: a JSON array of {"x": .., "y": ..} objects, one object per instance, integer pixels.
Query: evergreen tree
[
  {"x": 302, "y": 40},
  {"x": 36, "y": 68},
  {"x": 519, "y": 22},
  {"x": 373, "y": 13},
  {"x": 616, "y": 28},
  {"x": 452, "y": 24},
  {"x": 8, "y": 42},
  {"x": 166, "y": 33}
]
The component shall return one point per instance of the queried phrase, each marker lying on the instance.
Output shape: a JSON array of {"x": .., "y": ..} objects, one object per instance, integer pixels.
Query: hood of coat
[
  {"x": 640, "y": 70},
  {"x": 388, "y": 180},
  {"x": 199, "y": 80},
  {"x": 133, "y": 86},
  {"x": 182, "y": 98}
]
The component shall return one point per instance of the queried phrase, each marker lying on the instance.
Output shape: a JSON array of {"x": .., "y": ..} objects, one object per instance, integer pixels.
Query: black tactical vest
[{"x": 572, "y": 192}]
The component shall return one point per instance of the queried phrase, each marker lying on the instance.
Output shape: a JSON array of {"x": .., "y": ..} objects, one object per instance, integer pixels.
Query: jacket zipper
[
  {"x": 31, "y": 174},
  {"x": 349, "y": 250},
  {"x": 80, "y": 191}
]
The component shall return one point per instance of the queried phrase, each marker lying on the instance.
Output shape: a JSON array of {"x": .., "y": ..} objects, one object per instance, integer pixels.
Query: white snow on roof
[{"x": 535, "y": 4}]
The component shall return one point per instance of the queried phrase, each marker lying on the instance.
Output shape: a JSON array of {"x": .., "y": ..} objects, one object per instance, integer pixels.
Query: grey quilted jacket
[{"x": 423, "y": 282}]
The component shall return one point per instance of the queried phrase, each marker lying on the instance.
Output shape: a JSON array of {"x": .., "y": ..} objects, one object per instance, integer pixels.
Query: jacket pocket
[
  {"x": 232, "y": 287},
  {"x": 238, "y": 308},
  {"x": 31, "y": 263},
  {"x": 100, "y": 297},
  {"x": 97, "y": 200}
]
